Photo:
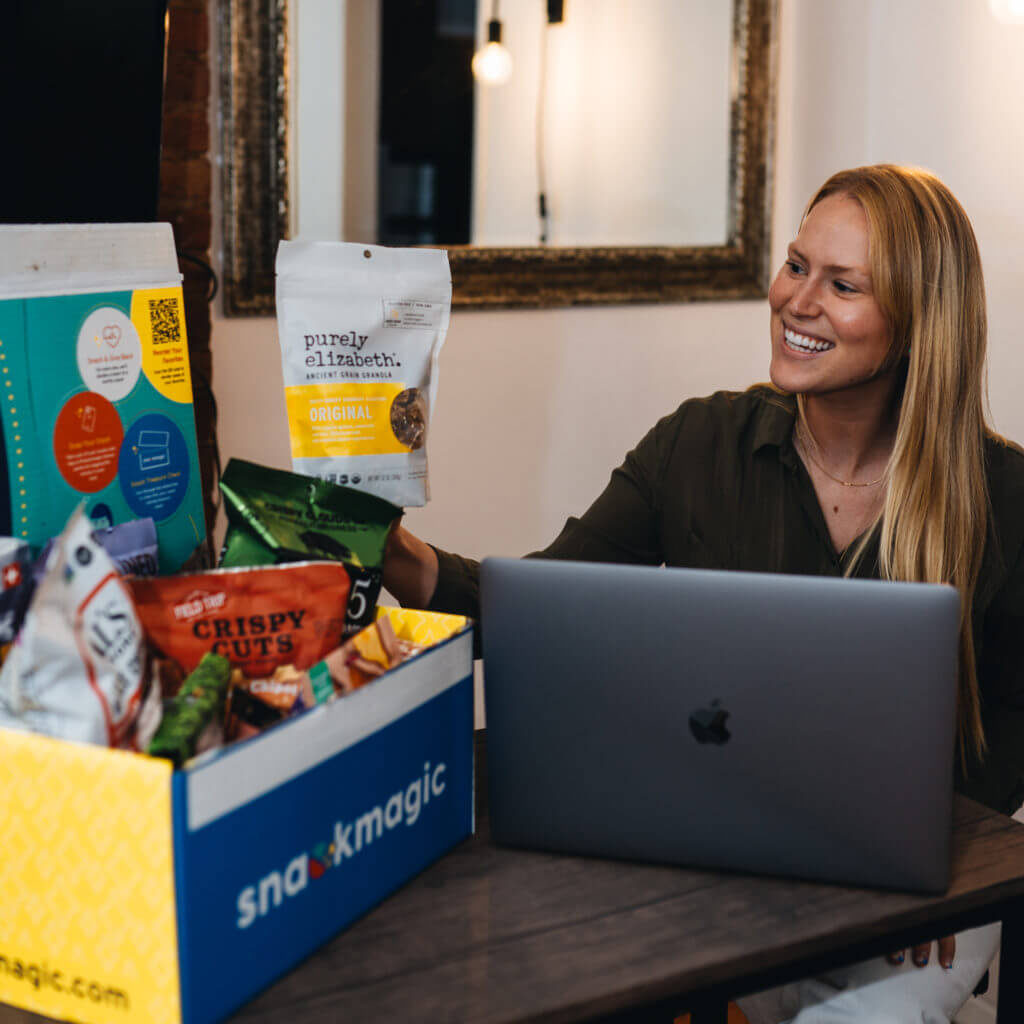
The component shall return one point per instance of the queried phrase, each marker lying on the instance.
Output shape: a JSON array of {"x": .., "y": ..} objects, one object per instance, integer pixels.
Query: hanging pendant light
[{"x": 492, "y": 64}]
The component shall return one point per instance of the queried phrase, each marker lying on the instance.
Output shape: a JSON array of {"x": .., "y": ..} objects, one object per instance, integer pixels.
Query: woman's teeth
[{"x": 804, "y": 344}]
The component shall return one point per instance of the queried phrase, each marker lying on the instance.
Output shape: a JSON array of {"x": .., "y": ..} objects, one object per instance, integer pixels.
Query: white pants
[{"x": 878, "y": 992}]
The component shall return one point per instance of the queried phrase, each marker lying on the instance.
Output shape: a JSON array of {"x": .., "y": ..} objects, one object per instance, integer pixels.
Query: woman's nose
[{"x": 805, "y": 301}]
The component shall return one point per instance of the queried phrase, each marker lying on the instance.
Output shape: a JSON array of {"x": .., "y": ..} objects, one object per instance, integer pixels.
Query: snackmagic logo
[
  {"x": 348, "y": 840},
  {"x": 41, "y": 976}
]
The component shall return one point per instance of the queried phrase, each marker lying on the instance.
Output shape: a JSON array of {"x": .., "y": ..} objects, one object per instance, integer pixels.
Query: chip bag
[
  {"x": 259, "y": 619},
  {"x": 277, "y": 516},
  {"x": 77, "y": 668},
  {"x": 361, "y": 328}
]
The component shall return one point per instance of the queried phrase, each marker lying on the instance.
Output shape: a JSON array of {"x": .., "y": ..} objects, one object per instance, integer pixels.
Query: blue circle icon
[{"x": 153, "y": 467}]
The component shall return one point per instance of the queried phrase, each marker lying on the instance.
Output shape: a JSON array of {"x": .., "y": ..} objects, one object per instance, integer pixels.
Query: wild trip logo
[
  {"x": 197, "y": 603},
  {"x": 348, "y": 840}
]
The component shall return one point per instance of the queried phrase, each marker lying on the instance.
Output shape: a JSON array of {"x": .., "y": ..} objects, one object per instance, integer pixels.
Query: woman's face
[{"x": 829, "y": 335}]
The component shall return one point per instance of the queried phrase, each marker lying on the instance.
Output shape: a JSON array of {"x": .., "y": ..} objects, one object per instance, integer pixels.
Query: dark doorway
[
  {"x": 81, "y": 96},
  {"x": 425, "y": 137}
]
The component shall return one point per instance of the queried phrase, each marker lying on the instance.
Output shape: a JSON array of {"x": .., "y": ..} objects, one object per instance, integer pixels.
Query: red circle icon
[{"x": 87, "y": 441}]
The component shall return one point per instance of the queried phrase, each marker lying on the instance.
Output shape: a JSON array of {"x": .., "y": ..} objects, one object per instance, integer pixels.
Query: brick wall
[{"x": 185, "y": 204}]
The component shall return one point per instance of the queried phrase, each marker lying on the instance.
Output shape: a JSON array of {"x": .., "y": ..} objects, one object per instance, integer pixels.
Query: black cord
[
  {"x": 542, "y": 203},
  {"x": 203, "y": 265},
  {"x": 199, "y": 378}
]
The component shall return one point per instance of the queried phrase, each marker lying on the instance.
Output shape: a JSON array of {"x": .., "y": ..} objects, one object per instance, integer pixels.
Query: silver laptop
[{"x": 793, "y": 725}]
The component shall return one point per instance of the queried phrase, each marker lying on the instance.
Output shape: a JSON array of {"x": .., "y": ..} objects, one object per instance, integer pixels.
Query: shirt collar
[{"x": 775, "y": 424}]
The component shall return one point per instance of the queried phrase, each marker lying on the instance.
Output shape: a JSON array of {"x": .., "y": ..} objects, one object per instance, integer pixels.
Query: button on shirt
[{"x": 718, "y": 485}]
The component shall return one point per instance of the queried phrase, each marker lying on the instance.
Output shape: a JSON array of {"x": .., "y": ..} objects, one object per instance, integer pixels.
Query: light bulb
[
  {"x": 493, "y": 63},
  {"x": 1010, "y": 12}
]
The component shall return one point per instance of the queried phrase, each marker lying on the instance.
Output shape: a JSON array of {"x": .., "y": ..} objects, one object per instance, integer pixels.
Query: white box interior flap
[
  {"x": 63, "y": 259},
  {"x": 242, "y": 773}
]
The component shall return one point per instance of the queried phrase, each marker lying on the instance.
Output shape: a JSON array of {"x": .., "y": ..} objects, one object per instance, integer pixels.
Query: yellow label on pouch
[
  {"x": 158, "y": 314},
  {"x": 342, "y": 419},
  {"x": 88, "y": 930}
]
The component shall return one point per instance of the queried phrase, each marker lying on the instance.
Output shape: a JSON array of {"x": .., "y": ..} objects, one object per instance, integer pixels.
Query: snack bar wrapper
[
  {"x": 197, "y": 711},
  {"x": 361, "y": 328},
  {"x": 77, "y": 668}
]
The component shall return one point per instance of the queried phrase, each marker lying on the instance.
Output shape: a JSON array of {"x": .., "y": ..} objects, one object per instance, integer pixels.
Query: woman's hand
[
  {"x": 920, "y": 954},
  {"x": 409, "y": 569}
]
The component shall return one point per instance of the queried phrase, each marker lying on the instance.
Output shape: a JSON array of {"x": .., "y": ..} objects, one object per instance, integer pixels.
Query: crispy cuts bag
[
  {"x": 259, "y": 619},
  {"x": 361, "y": 327}
]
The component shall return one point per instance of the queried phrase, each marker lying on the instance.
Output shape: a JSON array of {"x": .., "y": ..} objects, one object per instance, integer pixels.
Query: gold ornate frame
[{"x": 254, "y": 123}]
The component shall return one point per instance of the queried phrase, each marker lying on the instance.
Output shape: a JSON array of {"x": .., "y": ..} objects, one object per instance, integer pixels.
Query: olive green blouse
[{"x": 718, "y": 485}]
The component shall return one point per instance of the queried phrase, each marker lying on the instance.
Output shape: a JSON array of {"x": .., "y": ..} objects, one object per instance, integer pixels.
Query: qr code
[{"x": 164, "y": 320}]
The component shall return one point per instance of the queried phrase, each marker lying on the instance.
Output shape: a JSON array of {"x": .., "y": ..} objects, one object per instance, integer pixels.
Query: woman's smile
[{"x": 806, "y": 344}]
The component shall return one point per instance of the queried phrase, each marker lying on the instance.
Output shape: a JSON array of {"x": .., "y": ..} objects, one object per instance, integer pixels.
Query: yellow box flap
[{"x": 87, "y": 875}]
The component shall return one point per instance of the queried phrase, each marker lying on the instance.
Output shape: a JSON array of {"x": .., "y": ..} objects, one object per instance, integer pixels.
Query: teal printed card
[{"x": 96, "y": 406}]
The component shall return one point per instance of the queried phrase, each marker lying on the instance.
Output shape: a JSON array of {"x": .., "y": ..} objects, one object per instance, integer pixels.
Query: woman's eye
[
  {"x": 794, "y": 267},
  {"x": 842, "y": 286}
]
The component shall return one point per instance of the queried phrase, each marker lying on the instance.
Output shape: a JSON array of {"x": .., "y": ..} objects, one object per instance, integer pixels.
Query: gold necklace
[{"x": 802, "y": 423}]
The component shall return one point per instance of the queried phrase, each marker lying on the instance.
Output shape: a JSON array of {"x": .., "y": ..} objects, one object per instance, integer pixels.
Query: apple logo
[{"x": 708, "y": 724}]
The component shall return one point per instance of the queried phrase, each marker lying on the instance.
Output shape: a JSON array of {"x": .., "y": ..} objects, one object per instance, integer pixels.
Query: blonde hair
[{"x": 927, "y": 278}]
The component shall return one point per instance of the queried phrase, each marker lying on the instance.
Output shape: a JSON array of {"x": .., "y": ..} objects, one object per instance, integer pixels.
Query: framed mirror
[{"x": 700, "y": 146}]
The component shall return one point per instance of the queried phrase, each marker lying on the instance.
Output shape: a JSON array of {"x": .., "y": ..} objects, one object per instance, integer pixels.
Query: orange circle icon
[{"x": 87, "y": 441}]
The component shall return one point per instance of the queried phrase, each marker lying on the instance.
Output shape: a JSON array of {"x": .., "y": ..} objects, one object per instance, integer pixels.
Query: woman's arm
[
  {"x": 409, "y": 571},
  {"x": 620, "y": 526}
]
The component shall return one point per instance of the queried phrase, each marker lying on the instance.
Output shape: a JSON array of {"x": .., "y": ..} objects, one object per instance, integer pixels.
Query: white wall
[
  {"x": 535, "y": 407},
  {"x": 333, "y": 48},
  {"x": 318, "y": 95},
  {"x": 612, "y": 131},
  {"x": 624, "y": 160}
]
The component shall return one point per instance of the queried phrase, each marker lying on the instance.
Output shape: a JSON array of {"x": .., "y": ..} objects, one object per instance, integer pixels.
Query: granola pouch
[{"x": 361, "y": 328}]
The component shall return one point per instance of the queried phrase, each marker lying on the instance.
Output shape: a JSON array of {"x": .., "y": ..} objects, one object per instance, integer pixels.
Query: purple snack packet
[{"x": 132, "y": 547}]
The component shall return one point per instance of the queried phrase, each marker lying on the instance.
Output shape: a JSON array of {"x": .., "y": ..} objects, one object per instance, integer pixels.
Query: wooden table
[{"x": 499, "y": 935}]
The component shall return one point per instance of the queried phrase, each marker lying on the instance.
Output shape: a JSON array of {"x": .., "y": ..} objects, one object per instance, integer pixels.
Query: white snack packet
[
  {"x": 361, "y": 327},
  {"x": 77, "y": 668}
]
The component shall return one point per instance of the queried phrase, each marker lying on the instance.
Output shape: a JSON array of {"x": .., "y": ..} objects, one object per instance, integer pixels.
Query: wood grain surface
[{"x": 491, "y": 934}]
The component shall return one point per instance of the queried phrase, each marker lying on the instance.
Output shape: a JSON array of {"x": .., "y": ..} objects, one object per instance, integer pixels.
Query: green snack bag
[
  {"x": 198, "y": 706},
  {"x": 243, "y": 548},
  {"x": 276, "y": 516}
]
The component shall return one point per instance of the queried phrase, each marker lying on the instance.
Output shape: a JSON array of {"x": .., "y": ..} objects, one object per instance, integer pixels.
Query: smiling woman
[{"x": 870, "y": 457}]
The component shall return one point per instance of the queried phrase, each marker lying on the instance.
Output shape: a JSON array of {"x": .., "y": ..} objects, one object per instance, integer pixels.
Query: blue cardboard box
[{"x": 184, "y": 893}]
